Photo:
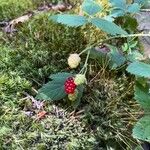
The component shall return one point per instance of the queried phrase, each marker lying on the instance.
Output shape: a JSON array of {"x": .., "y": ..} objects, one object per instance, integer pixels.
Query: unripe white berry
[{"x": 74, "y": 60}]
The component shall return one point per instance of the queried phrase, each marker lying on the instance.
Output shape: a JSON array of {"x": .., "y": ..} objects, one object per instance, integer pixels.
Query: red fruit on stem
[{"x": 70, "y": 86}]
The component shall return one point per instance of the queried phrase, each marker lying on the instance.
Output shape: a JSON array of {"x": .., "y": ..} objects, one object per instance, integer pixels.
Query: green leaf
[
  {"x": 90, "y": 7},
  {"x": 116, "y": 58},
  {"x": 134, "y": 56},
  {"x": 97, "y": 54},
  {"x": 140, "y": 1},
  {"x": 142, "y": 96},
  {"x": 139, "y": 69},
  {"x": 107, "y": 26},
  {"x": 80, "y": 89},
  {"x": 60, "y": 76},
  {"x": 53, "y": 90},
  {"x": 117, "y": 12},
  {"x": 133, "y": 8},
  {"x": 120, "y": 8},
  {"x": 70, "y": 20},
  {"x": 142, "y": 129},
  {"x": 118, "y": 3}
]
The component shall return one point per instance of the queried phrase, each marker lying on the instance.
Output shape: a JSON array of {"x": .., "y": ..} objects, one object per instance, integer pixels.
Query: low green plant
[
  {"x": 56, "y": 131},
  {"x": 141, "y": 70},
  {"x": 91, "y": 9},
  {"x": 20, "y": 6},
  {"x": 117, "y": 58},
  {"x": 33, "y": 52}
]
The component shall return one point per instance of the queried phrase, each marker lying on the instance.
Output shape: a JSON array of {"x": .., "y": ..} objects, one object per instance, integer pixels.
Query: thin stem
[
  {"x": 84, "y": 51},
  {"x": 87, "y": 57},
  {"x": 102, "y": 41},
  {"x": 126, "y": 36},
  {"x": 86, "y": 61},
  {"x": 145, "y": 10},
  {"x": 85, "y": 64}
]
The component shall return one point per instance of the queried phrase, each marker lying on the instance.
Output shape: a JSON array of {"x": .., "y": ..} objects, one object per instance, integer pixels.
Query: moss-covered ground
[{"x": 107, "y": 113}]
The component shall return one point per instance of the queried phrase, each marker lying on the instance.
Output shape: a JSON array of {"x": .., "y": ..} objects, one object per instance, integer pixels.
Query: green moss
[
  {"x": 12, "y": 84},
  {"x": 39, "y": 48},
  {"x": 10, "y": 9},
  {"x": 111, "y": 109},
  {"x": 52, "y": 132},
  {"x": 42, "y": 47}
]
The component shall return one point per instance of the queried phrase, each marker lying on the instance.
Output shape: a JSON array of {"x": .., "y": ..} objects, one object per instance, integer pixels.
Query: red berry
[{"x": 70, "y": 86}]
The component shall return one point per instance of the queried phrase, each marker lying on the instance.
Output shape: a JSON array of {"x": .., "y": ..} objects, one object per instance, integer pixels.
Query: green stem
[
  {"x": 86, "y": 49},
  {"x": 86, "y": 61},
  {"x": 85, "y": 64},
  {"x": 102, "y": 41},
  {"x": 130, "y": 35}
]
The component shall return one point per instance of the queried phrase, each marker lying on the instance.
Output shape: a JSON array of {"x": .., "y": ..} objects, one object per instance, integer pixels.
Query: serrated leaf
[
  {"x": 53, "y": 90},
  {"x": 109, "y": 18},
  {"x": 142, "y": 129},
  {"x": 116, "y": 58},
  {"x": 91, "y": 7},
  {"x": 118, "y": 3},
  {"x": 139, "y": 69},
  {"x": 134, "y": 56},
  {"x": 140, "y": 1},
  {"x": 117, "y": 12},
  {"x": 121, "y": 8},
  {"x": 107, "y": 26},
  {"x": 60, "y": 76},
  {"x": 142, "y": 96},
  {"x": 69, "y": 20},
  {"x": 133, "y": 8}
]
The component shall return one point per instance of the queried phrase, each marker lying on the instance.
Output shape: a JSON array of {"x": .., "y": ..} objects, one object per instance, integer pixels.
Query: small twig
[
  {"x": 94, "y": 77},
  {"x": 145, "y": 10},
  {"x": 29, "y": 96},
  {"x": 80, "y": 112},
  {"x": 34, "y": 90},
  {"x": 72, "y": 113}
]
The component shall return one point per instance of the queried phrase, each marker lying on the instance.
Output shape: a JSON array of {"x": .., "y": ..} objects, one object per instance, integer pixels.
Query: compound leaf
[
  {"x": 133, "y": 8},
  {"x": 70, "y": 20},
  {"x": 107, "y": 26},
  {"x": 141, "y": 2},
  {"x": 52, "y": 91},
  {"x": 60, "y": 76},
  {"x": 142, "y": 96},
  {"x": 139, "y": 69},
  {"x": 91, "y": 7},
  {"x": 118, "y": 3},
  {"x": 142, "y": 129}
]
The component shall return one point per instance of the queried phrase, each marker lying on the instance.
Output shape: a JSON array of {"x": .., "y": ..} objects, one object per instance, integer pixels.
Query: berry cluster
[{"x": 70, "y": 86}]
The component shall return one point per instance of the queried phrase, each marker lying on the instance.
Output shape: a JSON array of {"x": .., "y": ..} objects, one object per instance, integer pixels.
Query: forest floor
[{"x": 31, "y": 48}]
